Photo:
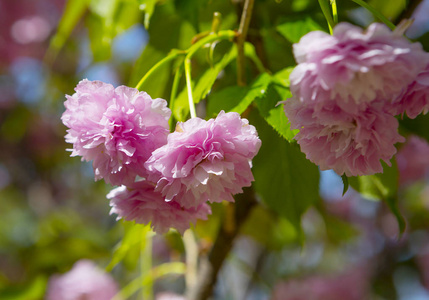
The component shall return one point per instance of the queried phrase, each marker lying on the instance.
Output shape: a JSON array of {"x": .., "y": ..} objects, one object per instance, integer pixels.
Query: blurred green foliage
[{"x": 52, "y": 211}]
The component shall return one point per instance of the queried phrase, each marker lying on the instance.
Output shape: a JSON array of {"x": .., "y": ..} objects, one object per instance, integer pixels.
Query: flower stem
[
  {"x": 191, "y": 250},
  {"x": 189, "y": 87},
  {"x": 221, "y": 35},
  {"x": 376, "y": 13},
  {"x": 326, "y": 12},
  {"x": 334, "y": 11},
  {"x": 146, "y": 263},
  {"x": 159, "y": 64}
]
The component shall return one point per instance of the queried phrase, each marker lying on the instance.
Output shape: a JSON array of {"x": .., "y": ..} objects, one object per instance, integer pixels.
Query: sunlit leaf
[
  {"x": 73, "y": 12},
  {"x": 148, "y": 6},
  {"x": 238, "y": 98},
  {"x": 282, "y": 77},
  {"x": 100, "y": 37},
  {"x": 294, "y": 29},
  {"x": 273, "y": 112},
  {"x": 203, "y": 86},
  {"x": 132, "y": 238},
  {"x": 163, "y": 23},
  {"x": 286, "y": 181},
  {"x": 206, "y": 81}
]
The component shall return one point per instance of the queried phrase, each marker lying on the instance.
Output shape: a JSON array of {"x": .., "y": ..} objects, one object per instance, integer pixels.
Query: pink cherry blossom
[
  {"x": 84, "y": 281},
  {"x": 345, "y": 92},
  {"x": 413, "y": 160},
  {"x": 140, "y": 202},
  {"x": 116, "y": 128},
  {"x": 415, "y": 98},
  {"x": 348, "y": 144},
  {"x": 205, "y": 160},
  {"x": 355, "y": 67}
]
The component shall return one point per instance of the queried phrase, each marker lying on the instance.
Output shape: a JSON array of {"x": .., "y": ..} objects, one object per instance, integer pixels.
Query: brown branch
[{"x": 209, "y": 266}]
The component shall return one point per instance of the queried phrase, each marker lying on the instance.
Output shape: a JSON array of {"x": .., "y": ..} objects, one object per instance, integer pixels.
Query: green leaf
[
  {"x": 273, "y": 113},
  {"x": 132, "y": 239},
  {"x": 148, "y": 6},
  {"x": 238, "y": 98},
  {"x": 205, "y": 83},
  {"x": 203, "y": 86},
  {"x": 127, "y": 14},
  {"x": 107, "y": 19},
  {"x": 268, "y": 229},
  {"x": 416, "y": 126},
  {"x": 250, "y": 52},
  {"x": 100, "y": 37},
  {"x": 293, "y": 30},
  {"x": 35, "y": 290},
  {"x": 163, "y": 23},
  {"x": 381, "y": 186},
  {"x": 285, "y": 180},
  {"x": 225, "y": 99},
  {"x": 73, "y": 12},
  {"x": 101, "y": 29},
  {"x": 345, "y": 180},
  {"x": 282, "y": 77},
  {"x": 104, "y": 8}
]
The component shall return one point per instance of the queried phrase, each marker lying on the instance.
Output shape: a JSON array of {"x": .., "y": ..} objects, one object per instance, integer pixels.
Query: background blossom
[
  {"x": 116, "y": 128},
  {"x": 351, "y": 145},
  {"x": 142, "y": 204},
  {"x": 84, "y": 281},
  {"x": 355, "y": 67},
  {"x": 205, "y": 160},
  {"x": 413, "y": 160}
]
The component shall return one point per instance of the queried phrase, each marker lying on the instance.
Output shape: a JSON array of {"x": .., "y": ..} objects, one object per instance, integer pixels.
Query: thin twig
[
  {"x": 242, "y": 33},
  {"x": 210, "y": 266}
]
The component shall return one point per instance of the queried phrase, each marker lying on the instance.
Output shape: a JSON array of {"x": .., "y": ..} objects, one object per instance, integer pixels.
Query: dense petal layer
[
  {"x": 348, "y": 144},
  {"x": 205, "y": 160},
  {"x": 116, "y": 128},
  {"x": 355, "y": 67},
  {"x": 140, "y": 202}
]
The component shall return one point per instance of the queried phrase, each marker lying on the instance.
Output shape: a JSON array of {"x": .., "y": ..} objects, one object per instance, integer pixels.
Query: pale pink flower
[
  {"x": 353, "y": 284},
  {"x": 84, "y": 281},
  {"x": 140, "y": 202},
  {"x": 413, "y": 160},
  {"x": 343, "y": 94},
  {"x": 415, "y": 98},
  {"x": 205, "y": 160},
  {"x": 116, "y": 128},
  {"x": 348, "y": 144},
  {"x": 355, "y": 67}
]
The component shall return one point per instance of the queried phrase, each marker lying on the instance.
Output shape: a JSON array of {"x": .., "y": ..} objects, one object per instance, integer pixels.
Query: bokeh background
[{"x": 53, "y": 214}]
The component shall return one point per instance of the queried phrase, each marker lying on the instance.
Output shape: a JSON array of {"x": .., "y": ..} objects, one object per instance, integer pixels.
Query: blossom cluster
[
  {"x": 346, "y": 91},
  {"x": 166, "y": 179}
]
